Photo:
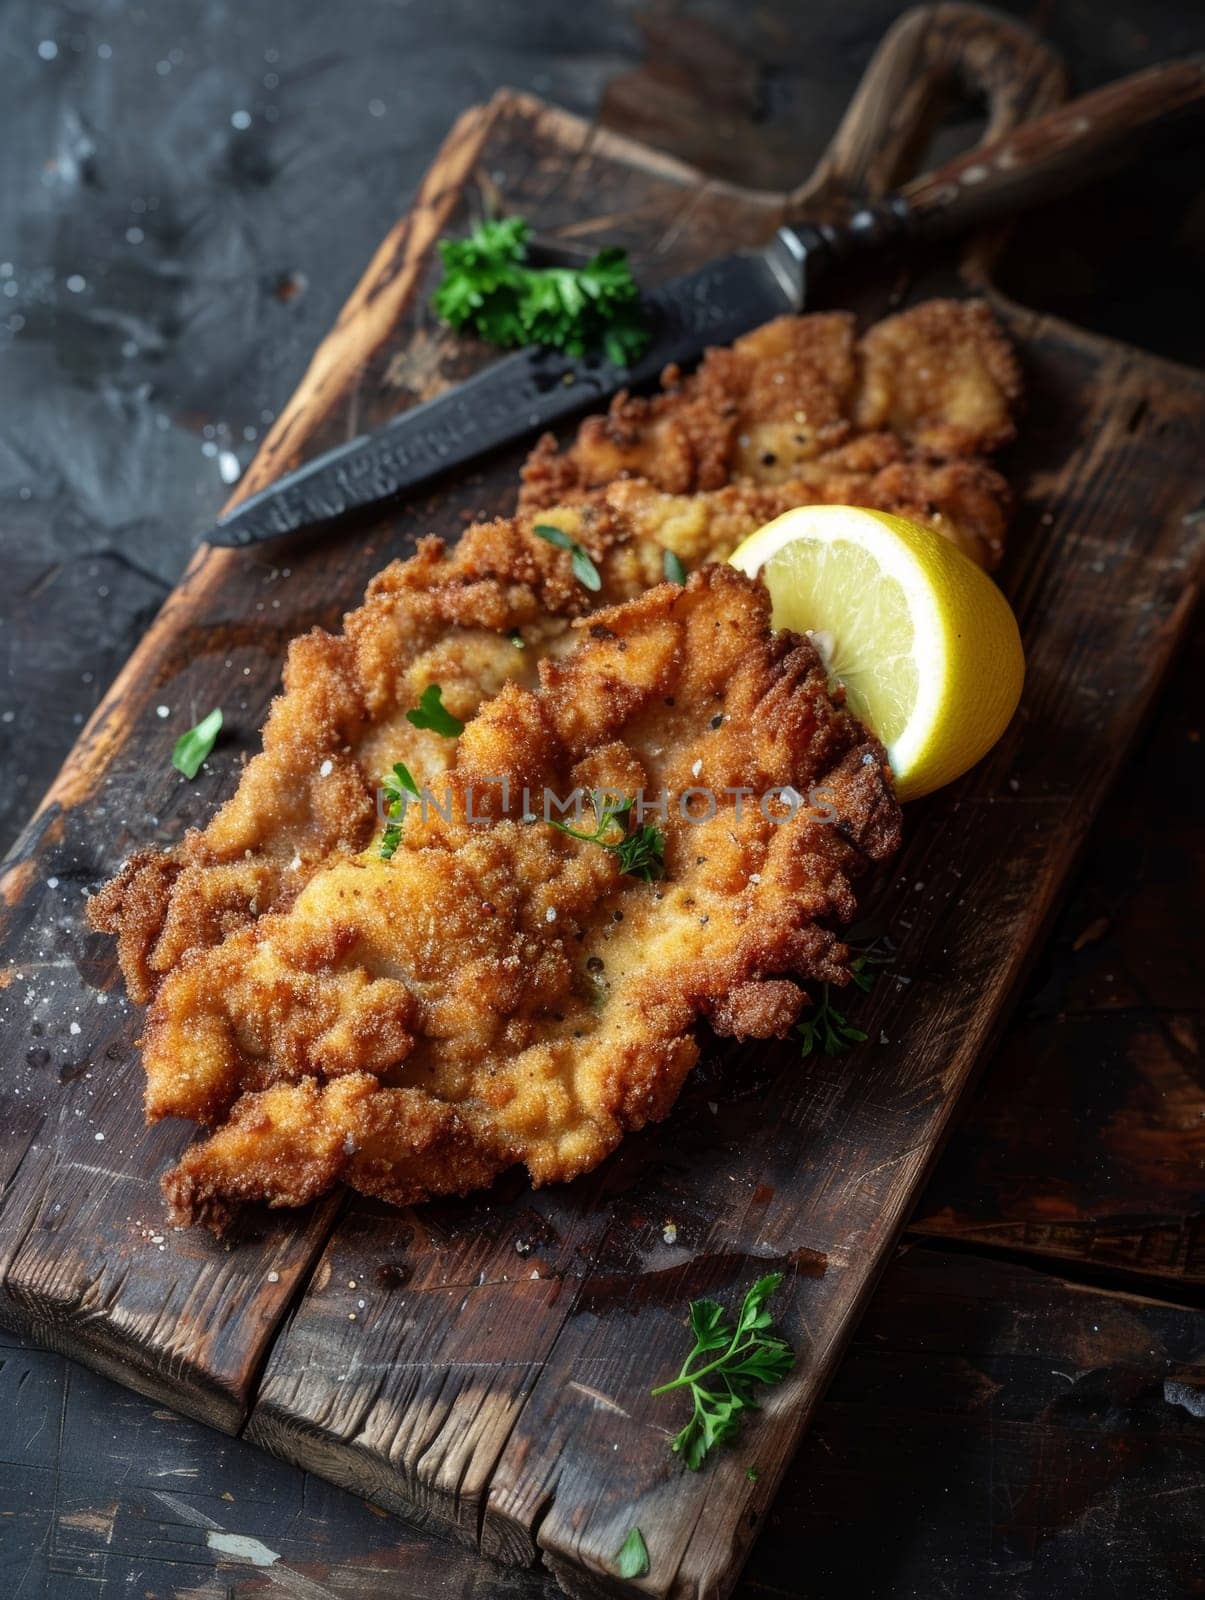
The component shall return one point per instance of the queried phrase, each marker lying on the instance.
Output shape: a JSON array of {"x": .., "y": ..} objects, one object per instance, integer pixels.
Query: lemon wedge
[{"x": 922, "y": 639}]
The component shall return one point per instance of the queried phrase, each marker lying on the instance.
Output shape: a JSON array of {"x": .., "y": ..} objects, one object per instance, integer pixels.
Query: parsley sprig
[
  {"x": 584, "y": 569},
  {"x": 489, "y": 286},
  {"x": 742, "y": 1358},
  {"x": 396, "y": 793},
  {"x": 829, "y": 1030},
  {"x": 640, "y": 854}
]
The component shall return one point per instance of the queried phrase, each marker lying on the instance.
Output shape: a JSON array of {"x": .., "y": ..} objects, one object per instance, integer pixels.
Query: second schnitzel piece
[
  {"x": 501, "y": 991},
  {"x": 900, "y": 419}
]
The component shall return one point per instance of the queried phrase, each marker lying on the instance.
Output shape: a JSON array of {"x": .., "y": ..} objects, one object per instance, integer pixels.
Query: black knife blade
[{"x": 520, "y": 394}]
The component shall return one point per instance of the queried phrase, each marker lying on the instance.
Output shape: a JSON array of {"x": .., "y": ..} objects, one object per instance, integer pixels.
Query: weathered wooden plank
[
  {"x": 1085, "y": 1139},
  {"x": 1001, "y": 1431}
]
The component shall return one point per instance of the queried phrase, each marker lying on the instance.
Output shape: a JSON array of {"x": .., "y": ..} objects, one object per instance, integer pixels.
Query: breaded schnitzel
[
  {"x": 897, "y": 420},
  {"x": 499, "y": 992},
  {"x": 226, "y": 929}
]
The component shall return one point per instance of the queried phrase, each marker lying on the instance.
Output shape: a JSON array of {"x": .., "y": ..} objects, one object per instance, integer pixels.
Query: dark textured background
[{"x": 187, "y": 194}]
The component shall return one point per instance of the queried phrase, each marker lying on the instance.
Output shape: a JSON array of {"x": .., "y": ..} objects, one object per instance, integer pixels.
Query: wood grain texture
[
  {"x": 994, "y": 1420},
  {"x": 1001, "y": 1431},
  {"x": 494, "y": 1381},
  {"x": 1085, "y": 1141},
  {"x": 930, "y": 55}
]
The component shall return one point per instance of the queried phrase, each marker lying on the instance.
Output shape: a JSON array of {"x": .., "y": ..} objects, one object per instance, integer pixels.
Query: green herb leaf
[
  {"x": 828, "y": 1030},
  {"x": 726, "y": 1385},
  {"x": 584, "y": 569},
  {"x": 194, "y": 746},
  {"x": 396, "y": 795},
  {"x": 633, "y": 1558},
  {"x": 640, "y": 854},
  {"x": 672, "y": 566},
  {"x": 517, "y": 639},
  {"x": 751, "y": 1474},
  {"x": 431, "y": 713},
  {"x": 489, "y": 287},
  {"x": 404, "y": 781},
  {"x": 707, "y": 1324},
  {"x": 556, "y": 536}
]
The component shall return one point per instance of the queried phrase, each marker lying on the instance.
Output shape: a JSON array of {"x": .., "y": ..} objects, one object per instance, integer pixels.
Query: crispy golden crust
[
  {"x": 498, "y": 992},
  {"x": 942, "y": 376},
  {"x": 283, "y": 1008},
  {"x": 803, "y": 402}
]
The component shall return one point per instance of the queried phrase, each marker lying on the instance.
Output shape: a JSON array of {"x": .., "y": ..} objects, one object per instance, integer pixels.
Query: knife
[{"x": 529, "y": 391}]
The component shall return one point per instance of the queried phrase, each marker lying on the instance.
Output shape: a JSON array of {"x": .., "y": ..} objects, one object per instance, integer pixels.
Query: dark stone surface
[{"x": 189, "y": 192}]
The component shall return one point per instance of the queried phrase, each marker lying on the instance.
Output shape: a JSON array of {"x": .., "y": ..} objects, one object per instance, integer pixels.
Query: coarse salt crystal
[
  {"x": 327, "y": 767},
  {"x": 550, "y": 914}
]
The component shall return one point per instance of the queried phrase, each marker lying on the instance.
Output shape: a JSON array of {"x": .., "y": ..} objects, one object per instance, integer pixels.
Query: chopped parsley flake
[
  {"x": 194, "y": 746},
  {"x": 431, "y": 713},
  {"x": 396, "y": 794},
  {"x": 633, "y": 1557},
  {"x": 584, "y": 569}
]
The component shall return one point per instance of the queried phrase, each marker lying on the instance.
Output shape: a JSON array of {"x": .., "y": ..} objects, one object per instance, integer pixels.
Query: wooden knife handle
[
  {"x": 929, "y": 55},
  {"x": 1038, "y": 160}
]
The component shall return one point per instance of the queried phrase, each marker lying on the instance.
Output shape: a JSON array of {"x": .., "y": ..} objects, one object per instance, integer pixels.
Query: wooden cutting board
[{"x": 484, "y": 1366}]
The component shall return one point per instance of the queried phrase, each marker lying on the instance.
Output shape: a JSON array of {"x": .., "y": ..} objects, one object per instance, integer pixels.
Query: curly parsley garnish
[
  {"x": 584, "y": 569},
  {"x": 489, "y": 286},
  {"x": 671, "y": 565},
  {"x": 396, "y": 794},
  {"x": 830, "y": 1030},
  {"x": 640, "y": 854},
  {"x": 743, "y": 1357},
  {"x": 194, "y": 746},
  {"x": 431, "y": 713}
]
